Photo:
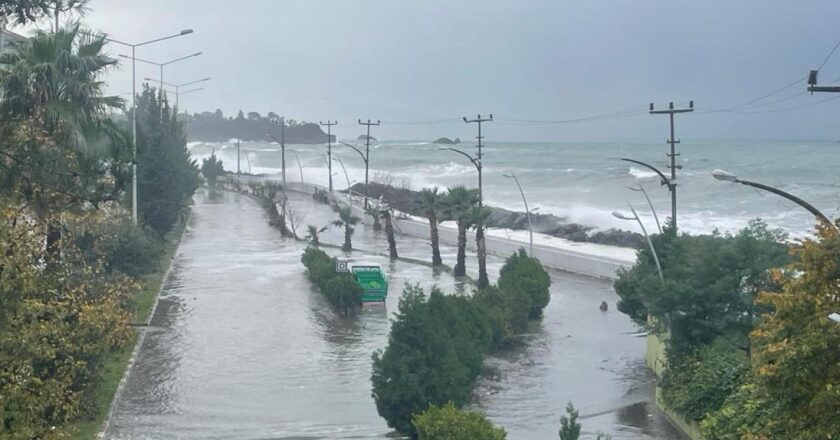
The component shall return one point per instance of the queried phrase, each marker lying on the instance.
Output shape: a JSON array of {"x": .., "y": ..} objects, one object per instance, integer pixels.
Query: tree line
[
  {"x": 750, "y": 351},
  {"x": 215, "y": 127},
  {"x": 73, "y": 266}
]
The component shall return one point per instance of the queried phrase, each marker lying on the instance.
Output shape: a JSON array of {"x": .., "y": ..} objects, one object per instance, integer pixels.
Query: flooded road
[{"x": 242, "y": 347}]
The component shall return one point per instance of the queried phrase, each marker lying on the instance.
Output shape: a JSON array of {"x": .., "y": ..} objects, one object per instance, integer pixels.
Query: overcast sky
[{"x": 399, "y": 60}]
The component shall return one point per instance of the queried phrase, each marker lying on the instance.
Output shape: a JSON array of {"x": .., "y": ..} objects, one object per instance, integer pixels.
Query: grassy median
[{"x": 115, "y": 368}]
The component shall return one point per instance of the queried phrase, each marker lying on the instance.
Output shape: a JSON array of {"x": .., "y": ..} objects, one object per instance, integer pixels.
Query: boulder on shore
[
  {"x": 447, "y": 141},
  {"x": 406, "y": 200}
]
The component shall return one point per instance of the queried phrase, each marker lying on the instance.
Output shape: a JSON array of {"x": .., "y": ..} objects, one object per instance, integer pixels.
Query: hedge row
[
  {"x": 438, "y": 342},
  {"x": 340, "y": 288}
]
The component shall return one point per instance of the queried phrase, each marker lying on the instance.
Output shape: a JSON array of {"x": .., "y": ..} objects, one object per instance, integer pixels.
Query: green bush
[
  {"x": 434, "y": 354},
  {"x": 450, "y": 423},
  {"x": 212, "y": 169},
  {"x": 698, "y": 384},
  {"x": 341, "y": 289},
  {"x": 507, "y": 313},
  {"x": 522, "y": 273},
  {"x": 746, "y": 411},
  {"x": 121, "y": 247},
  {"x": 709, "y": 285}
]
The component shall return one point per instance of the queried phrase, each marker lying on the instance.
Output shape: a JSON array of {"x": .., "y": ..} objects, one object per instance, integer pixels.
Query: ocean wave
[{"x": 640, "y": 173}]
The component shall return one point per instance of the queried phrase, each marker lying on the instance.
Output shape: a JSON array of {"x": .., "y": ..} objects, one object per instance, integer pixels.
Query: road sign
[{"x": 341, "y": 266}]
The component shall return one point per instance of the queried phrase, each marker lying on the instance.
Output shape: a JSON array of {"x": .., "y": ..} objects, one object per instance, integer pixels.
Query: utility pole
[
  {"x": 813, "y": 87},
  {"x": 238, "y": 171},
  {"x": 368, "y": 124},
  {"x": 329, "y": 125},
  {"x": 477, "y": 162},
  {"x": 671, "y": 111}
]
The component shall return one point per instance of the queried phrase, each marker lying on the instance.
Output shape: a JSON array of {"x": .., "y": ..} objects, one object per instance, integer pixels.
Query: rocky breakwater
[{"x": 406, "y": 200}]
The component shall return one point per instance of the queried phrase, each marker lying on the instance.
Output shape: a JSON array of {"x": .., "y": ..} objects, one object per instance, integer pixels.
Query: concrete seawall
[{"x": 586, "y": 261}]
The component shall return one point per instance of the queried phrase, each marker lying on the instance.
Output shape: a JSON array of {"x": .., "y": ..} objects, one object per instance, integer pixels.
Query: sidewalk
[{"x": 589, "y": 259}]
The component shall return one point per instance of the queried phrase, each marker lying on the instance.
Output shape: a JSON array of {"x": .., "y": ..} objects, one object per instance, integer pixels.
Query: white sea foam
[{"x": 641, "y": 174}]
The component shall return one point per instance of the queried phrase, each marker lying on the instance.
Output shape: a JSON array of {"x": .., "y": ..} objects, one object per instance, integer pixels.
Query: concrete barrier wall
[{"x": 592, "y": 265}]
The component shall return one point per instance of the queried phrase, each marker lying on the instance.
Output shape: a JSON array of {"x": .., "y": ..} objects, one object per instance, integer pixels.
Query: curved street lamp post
[
  {"x": 652, "y": 209},
  {"x": 365, "y": 159},
  {"x": 663, "y": 180},
  {"x": 527, "y": 212},
  {"x": 635, "y": 217},
  {"x": 729, "y": 177}
]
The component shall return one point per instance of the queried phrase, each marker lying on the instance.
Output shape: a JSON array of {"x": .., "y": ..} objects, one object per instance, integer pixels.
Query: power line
[
  {"x": 771, "y": 93},
  {"x": 779, "y": 110},
  {"x": 829, "y": 55},
  {"x": 632, "y": 111},
  {"x": 434, "y": 121}
]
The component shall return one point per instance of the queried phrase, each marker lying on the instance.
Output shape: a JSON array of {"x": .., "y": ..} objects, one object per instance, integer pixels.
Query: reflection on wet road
[{"x": 242, "y": 347}]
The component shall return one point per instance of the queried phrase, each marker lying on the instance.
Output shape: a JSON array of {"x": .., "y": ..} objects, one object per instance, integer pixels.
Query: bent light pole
[
  {"x": 345, "y": 171},
  {"x": 366, "y": 160},
  {"x": 134, "y": 47},
  {"x": 729, "y": 177},
  {"x": 652, "y": 209},
  {"x": 663, "y": 180},
  {"x": 635, "y": 217},
  {"x": 300, "y": 167},
  {"x": 527, "y": 212}
]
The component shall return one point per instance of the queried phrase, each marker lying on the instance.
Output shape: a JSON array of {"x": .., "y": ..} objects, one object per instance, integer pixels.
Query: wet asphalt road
[{"x": 241, "y": 346}]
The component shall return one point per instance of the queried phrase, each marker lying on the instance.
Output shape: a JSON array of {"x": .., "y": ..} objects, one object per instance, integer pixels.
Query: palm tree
[
  {"x": 347, "y": 220},
  {"x": 389, "y": 232},
  {"x": 478, "y": 216},
  {"x": 431, "y": 204},
  {"x": 55, "y": 76},
  {"x": 376, "y": 215},
  {"x": 459, "y": 202},
  {"x": 50, "y": 83},
  {"x": 312, "y": 234}
]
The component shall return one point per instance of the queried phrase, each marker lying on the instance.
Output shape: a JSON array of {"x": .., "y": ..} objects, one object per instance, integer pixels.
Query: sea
[{"x": 584, "y": 182}]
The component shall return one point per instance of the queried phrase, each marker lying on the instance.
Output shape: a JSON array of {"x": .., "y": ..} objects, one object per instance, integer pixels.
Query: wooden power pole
[
  {"x": 477, "y": 160},
  {"x": 368, "y": 124},
  {"x": 671, "y": 111}
]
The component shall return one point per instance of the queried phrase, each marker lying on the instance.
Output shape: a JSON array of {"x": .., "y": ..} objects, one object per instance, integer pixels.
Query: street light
[
  {"x": 162, "y": 65},
  {"x": 345, "y": 172},
  {"x": 134, "y": 107},
  {"x": 527, "y": 211},
  {"x": 178, "y": 91},
  {"x": 730, "y": 177},
  {"x": 366, "y": 160},
  {"x": 663, "y": 180},
  {"x": 652, "y": 209},
  {"x": 300, "y": 167},
  {"x": 635, "y": 217}
]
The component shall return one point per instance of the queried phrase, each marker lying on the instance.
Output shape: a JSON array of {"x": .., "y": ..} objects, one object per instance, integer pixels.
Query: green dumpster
[{"x": 373, "y": 283}]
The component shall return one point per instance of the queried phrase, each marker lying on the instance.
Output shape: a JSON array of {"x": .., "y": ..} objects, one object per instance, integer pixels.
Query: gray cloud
[{"x": 397, "y": 60}]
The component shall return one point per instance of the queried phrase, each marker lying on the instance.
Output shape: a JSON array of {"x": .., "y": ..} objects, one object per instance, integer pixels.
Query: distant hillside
[{"x": 215, "y": 127}]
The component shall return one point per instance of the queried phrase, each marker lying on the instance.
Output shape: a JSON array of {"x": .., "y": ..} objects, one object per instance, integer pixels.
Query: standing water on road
[{"x": 241, "y": 346}]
